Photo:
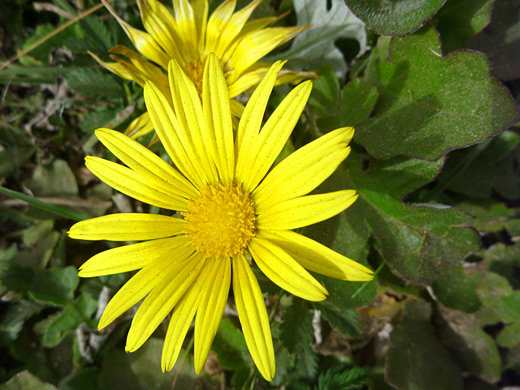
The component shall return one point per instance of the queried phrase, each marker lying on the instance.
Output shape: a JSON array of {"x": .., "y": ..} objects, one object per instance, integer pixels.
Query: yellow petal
[
  {"x": 251, "y": 121},
  {"x": 142, "y": 283},
  {"x": 141, "y": 159},
  {"x": 305, "y": 169},
  {"x": 217, "y": 118},
  {"x": 284, "y": 271},
  {"x": 188, "y": 108},
  {"x": 130, "y": 257},
  {"x": 200, "y": 10},
  {"x": 159, "y": 22},
  {"x": 114, "y": 67},
  {"x": 263, "y": 41},
  {"x": 244, "y": 82},
  {"x": 253, "y": 317},
  {"x": 138, "y": 185},
  {"x": 234, "y": 26},
  {"x": 140, "y": 126},
  {"x": 142, "y": 41},
  {"x": 186, "y": 27},
  {"x": 180, "y": 322},
  {"x": 172, "y": 136},
  {"x": 211, "y": 308},
  {"x": 167, "y": 292},
  {"x": 274, "y": 135},
  {"x": 305, "y": 210},
  {"x": 127, "y": 227},
  {"x": 217, "y": 24},
  {"x": 317, "y": 257}
]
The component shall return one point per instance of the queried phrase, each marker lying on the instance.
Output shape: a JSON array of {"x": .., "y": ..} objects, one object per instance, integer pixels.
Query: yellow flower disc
[{"x": 221, "y": 221}]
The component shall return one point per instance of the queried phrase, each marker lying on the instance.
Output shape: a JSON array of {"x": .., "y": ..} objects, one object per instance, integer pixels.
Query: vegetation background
[{"x": 432, "y": 87}]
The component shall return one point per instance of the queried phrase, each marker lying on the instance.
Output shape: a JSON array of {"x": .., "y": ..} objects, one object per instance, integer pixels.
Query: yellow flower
[
  {"x": 234, "y": 211},
  {"x": 189, "y": 36}
]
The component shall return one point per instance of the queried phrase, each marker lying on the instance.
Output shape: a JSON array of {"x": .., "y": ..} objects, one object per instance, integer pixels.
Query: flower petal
[
  {"x": 142, "y": 41},
  {"x": 130, "y": 257},
  {"x": 251, "y": 121},
  {"x": 165, "y": 295},
  {"x": 142, "y": 283},
  {"x": 141, "y": 159},
  {"x": 317, "y": 257},
  {"x": 284, "y": 271},
  {"x": 138, "y": 185},
  {"x": 188, "y": 107},
  {"x": 140, "y": 126},
  {"x": 186, "y": 28},
  {"x": 217, "y": 118},
  {"x": 274, "y": 135},
  {"x": 253, "y": 317},
  {"x": 127, "y": 227},
  {"x": 114, "y": 67},
  {"x": 217, "y": 24},
  {"x": 304, "y": 211},
  {"x": 263, "y": 42},
  {"x": 305, "y": 169},
  {"x": 180, "y": 322},
  {"x": 200, "y": 10},
  {"x": 172, "y": 136},
  {"x": 211, "y": 308}
]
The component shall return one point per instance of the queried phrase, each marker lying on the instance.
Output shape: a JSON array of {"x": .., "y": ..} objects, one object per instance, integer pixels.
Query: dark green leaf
[
  {"x": 499, "y": 302},
  {"x": 490, "y": 216},
  {"x": 459, "y": 20},
  {"x": 13, "y": 158},
  {"x": 95, "y": 83},
  {"x": 398, "y": 17},
  {"x": 341, "y": 378},
  {"x": 455, "y": 289},
  {"x": 474, "y": 349},
  {"x": 345, "y": 322},
  {"x": 230, "y": 346},
  {"x": 416, "y": 359},
  {"x": 509, "y": 337},
  {"x": 501, "y": 39},
  {"x": 325, "y": 90},
  {"x": 83, "y": 379},
  {"x": 14, "y": 317},
  {"x": 430, "y": 105},
  {"x": 55, "y": 285}
]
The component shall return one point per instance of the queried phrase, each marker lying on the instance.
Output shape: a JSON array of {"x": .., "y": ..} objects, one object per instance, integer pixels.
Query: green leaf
[
  {"x": 83, "y": 379},
  {"x": 430, "y": 105},
  {"x": 474, "y": 349},
  {"x": 416, "y": 359},
  {"x": 55, "y": 285},
  {"x": 325, "y": 91},
  {"x": 356, "y": 102},
  {"x": 505, "y": 261},
  {"x": 95, "y": 83},
  {"x": 490, "y": 216},
  {"x": 12, "y": 159},
  {"x": 509, "y": 337},
  {"x": 341, "y": 378},
  {"x": 345, "y": 322},
  {"x": 57, "y": 179},
  {"x": 397, "y": 17},
  {"x": 42, "y": 51},
  {"x": 455, "y": 289},
  {"x": 494, "y": 169},
  {"x": 499, "y": 302},
  {"x": 230, "y": 346},
  {"x": 501, "y": 39},
  {"x": 26, "y": 381},
  {"x": 459, "y": 20},
  {"x": 315, "y": 46},
  {"x": 14, "y": 317}
]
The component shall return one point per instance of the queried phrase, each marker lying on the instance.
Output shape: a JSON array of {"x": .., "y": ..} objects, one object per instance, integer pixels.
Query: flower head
[
  {"x": 189, "y": 37},
  {"x": 234, "y": 211}
]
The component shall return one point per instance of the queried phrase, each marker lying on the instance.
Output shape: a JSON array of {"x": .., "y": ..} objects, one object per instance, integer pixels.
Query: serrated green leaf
[
  {"x": 455, "y": 289},
  {"x": 315, "y": 46},
  {"x": 459, "y": 20},
  {"x": 95, "y": 83},
  {"x": 431, "y": 104},
  {"x": 398, "y": 17},
  {"x": 499, "y": 302},
  {"x": 345, "y": 322},
  {"x": 416, "y": 359},
  {"x": 490, "y": 216},
  {"x": 474, "y": 349},
  {"x": 501, "y": 39},
  {"x": 26, "y": 381},
  {"x": 342, "y": 378}
]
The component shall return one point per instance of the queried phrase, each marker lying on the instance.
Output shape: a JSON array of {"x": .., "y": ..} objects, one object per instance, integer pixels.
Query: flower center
[{"x": 221, "y": 221}]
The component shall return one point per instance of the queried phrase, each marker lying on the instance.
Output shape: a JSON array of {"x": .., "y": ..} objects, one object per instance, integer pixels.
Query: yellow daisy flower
[
  {"x": 188, "y": 37},
  {"x": 234, "y": 212}
]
